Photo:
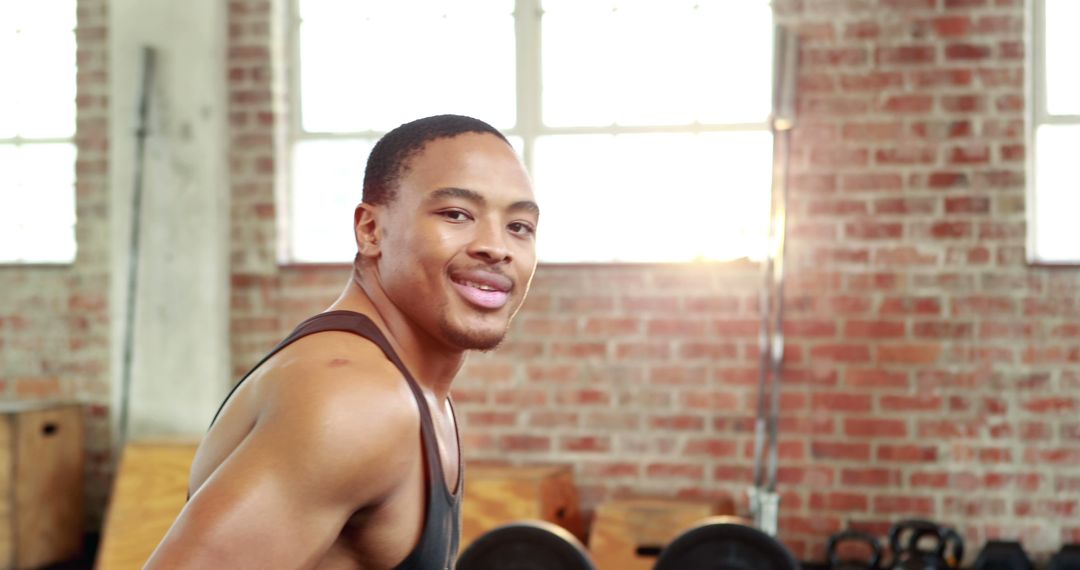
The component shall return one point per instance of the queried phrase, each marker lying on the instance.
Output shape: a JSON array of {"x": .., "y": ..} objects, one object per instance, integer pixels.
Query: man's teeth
[{"x": 480, "y": 286}]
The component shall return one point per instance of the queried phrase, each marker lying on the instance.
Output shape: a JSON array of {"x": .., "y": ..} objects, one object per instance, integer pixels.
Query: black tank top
[{"x": 438, "y": 545}]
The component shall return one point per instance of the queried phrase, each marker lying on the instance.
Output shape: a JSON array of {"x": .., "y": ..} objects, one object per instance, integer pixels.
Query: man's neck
[{"x": 433, "y": 364}]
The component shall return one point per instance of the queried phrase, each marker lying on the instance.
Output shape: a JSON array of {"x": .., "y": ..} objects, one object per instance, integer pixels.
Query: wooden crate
[
  {"x": 498, "y": 495},
  {"x": 41, "y": 484},
  {"x": 622, "y": 527},
  {"x": 149, "y": 492}
]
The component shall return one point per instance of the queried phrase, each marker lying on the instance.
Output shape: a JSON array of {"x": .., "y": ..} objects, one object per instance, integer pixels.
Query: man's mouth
[{"x": 483, "y": 289}]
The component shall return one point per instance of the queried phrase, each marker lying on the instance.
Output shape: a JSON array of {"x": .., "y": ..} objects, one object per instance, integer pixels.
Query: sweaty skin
[{"x": 316, "y": 460}]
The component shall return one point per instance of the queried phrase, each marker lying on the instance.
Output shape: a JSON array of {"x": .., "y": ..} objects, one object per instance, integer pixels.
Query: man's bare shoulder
[{"x": 336, "y": 395}]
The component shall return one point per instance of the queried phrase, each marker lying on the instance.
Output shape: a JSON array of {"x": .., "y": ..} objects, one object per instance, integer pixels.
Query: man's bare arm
[{"x": 325, "y": 447}]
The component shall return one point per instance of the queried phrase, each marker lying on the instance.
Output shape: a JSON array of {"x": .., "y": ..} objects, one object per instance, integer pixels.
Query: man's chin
[{"x": 482, "y": 340}]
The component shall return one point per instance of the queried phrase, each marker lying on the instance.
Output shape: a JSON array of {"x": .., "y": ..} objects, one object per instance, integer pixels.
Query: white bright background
[
  {"x": 37, "y": 121},
  {"x": 674, "y": 196},
  {"x": 1056, "y": 238}
]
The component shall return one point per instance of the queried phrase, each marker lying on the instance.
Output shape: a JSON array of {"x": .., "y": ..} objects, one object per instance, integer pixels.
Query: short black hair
[{"x": 388, "y": 159}]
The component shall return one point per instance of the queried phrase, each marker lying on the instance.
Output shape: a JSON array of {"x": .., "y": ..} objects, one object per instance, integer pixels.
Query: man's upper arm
[{"x": 282, "y": 497}]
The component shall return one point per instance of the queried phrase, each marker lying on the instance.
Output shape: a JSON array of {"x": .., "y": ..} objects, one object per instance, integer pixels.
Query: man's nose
[{"x": 490, "y": 243}]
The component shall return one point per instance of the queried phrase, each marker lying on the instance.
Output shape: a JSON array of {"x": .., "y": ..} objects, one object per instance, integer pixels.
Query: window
[
  {"x": 643, "y": 124},
  {"x": 1053, "y": 191},
  {"x": 37, "y": 126}
]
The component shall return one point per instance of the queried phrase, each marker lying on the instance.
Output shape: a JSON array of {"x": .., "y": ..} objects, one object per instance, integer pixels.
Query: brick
[
  {"x": 930, "y": 78},
  {"x": 675, "y": 471},
  {"x": 949, "y": 26},
  {"x": 840, "y": 450},
  {"x": 922, "y": 506},
  {"x": 873, "y": 378},
  {"x": 839, "y": 157},
  {"x": 841, "y": 353},
  {"x": 708, "y": 350},
  {"x": 967, "y": 205},
  {"x": 909, "y": 353},
  {"x": 871, "y": 80},
  {"x": 596, "y": 444},
  {"x": 488, "y": 419},
  {"x": 856, "y": 427},
  {"x": 607, "y": 326},
  {"x": 944, "y": 329},
  {"x": 579, "y": 349},
  {"x": 906, "y": 55},
  {"x": 873, "y": 230},
  {"x": 862, "y": 30},
  {"x": 908, "y": 103},
  {"x": 715, "y": 448},
  {"x": 951, "y": 129},
  {"x": 841, "y": 402},
  {"x": 874, "y": 329},
  {"x": 832, "y": 57},
  {"x": 872, "y": 181},
  {"x": 969, "y": 154},
  {"x": 905, "y": 155},
  {"x": 678, "y": 422},
  {"x": 963, "y": 103},
  {"x": 525, "y": 443},
  {"x": 910, "y": 306},
  {"x": 870, "y": 477},
  {"x": 521, "y": 398},
  {"x": 966, "y": 52},
  {"x": 905, "y": 206},
  {"x": 642, "y": 350}
]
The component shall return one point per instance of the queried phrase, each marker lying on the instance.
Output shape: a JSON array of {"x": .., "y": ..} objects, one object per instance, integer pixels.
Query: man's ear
[{"x": 367, "y": 226}]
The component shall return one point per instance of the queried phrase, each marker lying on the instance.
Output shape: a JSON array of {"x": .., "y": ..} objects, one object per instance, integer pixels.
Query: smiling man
[{"x": 340, "y": 448}]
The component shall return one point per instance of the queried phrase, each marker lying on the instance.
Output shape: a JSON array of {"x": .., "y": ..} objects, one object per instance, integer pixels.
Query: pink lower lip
[{"x": 481, "y": 298}]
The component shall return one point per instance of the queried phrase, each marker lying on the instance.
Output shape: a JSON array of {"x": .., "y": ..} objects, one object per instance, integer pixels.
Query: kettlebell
[
  {"x": 833, "y": 556},
  {"x": 904, "y": 539}
]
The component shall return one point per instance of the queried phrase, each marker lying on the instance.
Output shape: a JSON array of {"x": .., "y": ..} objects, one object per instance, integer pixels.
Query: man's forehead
[{"x": 471, "y": 160}]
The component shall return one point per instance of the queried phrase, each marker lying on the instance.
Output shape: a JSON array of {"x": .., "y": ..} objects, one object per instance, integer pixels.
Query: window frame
[
  {"x": 21, "y": 141},
  {"x": 529, "y": 126},
  {"x": 1037, "y": 115}
]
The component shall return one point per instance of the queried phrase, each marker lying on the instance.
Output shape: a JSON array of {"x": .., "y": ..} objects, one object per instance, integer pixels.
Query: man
[{"x": 340, "y": 449}]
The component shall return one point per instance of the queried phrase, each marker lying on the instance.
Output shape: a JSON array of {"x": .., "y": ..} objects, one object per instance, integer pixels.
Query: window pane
[
  {"x": 37, "y": 202},
  {"x": 54, "y": 15},
  {"x": 1057, "y": 194},
  {"x": 328, "y": 181},
  {"x": 9, "y": 67},
  {"x": 375, "y": 67},
  {"x": 1062, "y": 46},
  {"x": 45, "y": 102},
  {"x": 637, "y": 62},
  {"x": 656, "y": 197}
]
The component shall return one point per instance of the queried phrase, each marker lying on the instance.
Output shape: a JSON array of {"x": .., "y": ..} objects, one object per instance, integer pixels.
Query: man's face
[{"x": 458, "y": 242}]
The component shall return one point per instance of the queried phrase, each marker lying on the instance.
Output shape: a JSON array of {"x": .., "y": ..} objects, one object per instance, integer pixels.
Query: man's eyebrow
[
  {"x": 464, "y": 193},
  {"x": 474, "y": 196},
  {"x": 526, "y": 205}
]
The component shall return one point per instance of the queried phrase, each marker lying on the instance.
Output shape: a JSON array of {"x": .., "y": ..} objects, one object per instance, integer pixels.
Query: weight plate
[
  {"x": 525, "y": 545},
  {"x": 725, "y": 543}
]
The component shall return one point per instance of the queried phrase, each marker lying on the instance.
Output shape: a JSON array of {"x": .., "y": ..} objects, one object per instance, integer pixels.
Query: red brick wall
[
  {"x": 948, "y": 370},
  {"x": 929, "y": 371}
]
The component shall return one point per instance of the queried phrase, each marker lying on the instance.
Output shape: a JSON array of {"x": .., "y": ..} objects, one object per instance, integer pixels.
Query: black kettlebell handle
[
  {"x": 853, "y": 536},
  {"x": 918, "y": 528},
  {"x": 955, "y": 543}
]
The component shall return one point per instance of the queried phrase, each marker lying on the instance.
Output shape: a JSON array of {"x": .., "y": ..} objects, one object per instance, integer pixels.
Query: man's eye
[
  {"x": 522, "y": 228},
  {"x": 454, "y": 215}
]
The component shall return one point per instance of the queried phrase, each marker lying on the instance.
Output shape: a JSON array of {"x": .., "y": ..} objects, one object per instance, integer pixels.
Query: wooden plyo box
[
  {"x": 41, "y": 484},
  {"x": 149, "y": 492},
  {"x": 499, "y": 495},
  {"x": 623, "y": 527}
]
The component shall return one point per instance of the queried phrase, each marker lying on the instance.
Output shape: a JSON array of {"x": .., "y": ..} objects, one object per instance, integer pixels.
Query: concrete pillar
[{"x": 181, "y": 349}]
